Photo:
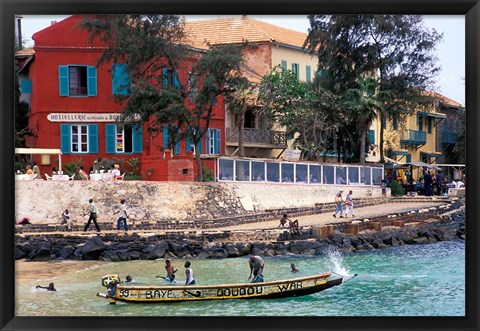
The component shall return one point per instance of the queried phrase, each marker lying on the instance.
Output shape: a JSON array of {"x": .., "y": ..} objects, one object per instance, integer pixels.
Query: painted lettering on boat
[
  {"x": 124, "y": 293},
  {"x": 290, "y": 286},
  {"x": 158, "y": 294},
  {"x": 239, "y": 291}
]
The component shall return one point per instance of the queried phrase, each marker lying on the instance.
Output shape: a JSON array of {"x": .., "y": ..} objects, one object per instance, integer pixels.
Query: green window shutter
[
  {"x": 26, "y": 86},
  {"x": 165, "y": 77},
  {"x": 165, "y": 138},
  {"x": 409, "y": 158},
  {"x": 65, "y": 146},
  {"x": 91, "y": 81},
  {"x": 216, "y": 134},
  {"x": 137, "y": 138},
  {"x": 63, "y": 81},
  {"x": 284, "y": 65},
  {"x": 120, "y": 79},
  {"x": 308, "y": 73},
  {"x": 110, "y": 138},
  {"x": 371, "y": 137},
  {"x": 93, "y": 138},
  {"x": 187, "y": 140},
  {"x": 420, "y": 123}
]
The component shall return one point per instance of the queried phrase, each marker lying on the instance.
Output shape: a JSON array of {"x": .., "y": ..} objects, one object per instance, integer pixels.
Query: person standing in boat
[
  {"x": 189, "y": 273},
  {"x": 256, "y": 268}
]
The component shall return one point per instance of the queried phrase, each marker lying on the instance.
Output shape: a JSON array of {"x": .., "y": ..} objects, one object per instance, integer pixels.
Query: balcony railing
[
  {"x": 259, "y": 137},
  {"x": 449, "y": 138},
  {"x": 412, "y": 137}
]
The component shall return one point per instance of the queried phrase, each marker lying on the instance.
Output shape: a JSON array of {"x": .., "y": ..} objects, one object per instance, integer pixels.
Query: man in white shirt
[{"x": 123, "y": 216}]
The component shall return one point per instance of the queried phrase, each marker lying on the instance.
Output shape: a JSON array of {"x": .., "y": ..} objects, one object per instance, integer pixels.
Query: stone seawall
[
  {"x": 169, "y": 202},
  {"x": 226, "y": 244}
]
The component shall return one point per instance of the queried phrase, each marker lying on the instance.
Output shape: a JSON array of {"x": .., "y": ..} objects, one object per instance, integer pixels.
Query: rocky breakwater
[{"x": 228, "y": 244}]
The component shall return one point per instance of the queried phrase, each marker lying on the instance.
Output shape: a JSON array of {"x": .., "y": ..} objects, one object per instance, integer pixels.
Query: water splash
[{"x": 336, "y": 262}]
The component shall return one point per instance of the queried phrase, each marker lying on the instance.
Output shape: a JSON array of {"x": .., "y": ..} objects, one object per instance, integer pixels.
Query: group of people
[
  {"x": 92, "y": 211},
  {"x": 170, "y": 270},
  {"x": 33, "y": 169},
  {"x": 341, "y": 201}
]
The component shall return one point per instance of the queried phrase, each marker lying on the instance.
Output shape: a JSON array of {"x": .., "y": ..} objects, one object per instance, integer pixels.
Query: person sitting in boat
[
  {"x": 283, "y": 221},
  {"x": 256, "y": 268},
  {"x": 294, "y": 268},
  {"x": 50, "y": 287},
  {"x": 189, "y": 273}
]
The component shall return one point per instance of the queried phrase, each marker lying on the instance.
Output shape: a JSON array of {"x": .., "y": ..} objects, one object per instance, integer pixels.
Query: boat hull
[{"x": 267, "y": 290}]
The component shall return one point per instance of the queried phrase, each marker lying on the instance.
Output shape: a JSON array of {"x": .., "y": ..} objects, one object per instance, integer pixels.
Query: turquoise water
[{"x": 417, "y": 280}]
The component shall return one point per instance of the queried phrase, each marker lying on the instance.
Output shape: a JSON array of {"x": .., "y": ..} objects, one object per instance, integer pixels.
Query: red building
[{"x": 72, "y": 108}]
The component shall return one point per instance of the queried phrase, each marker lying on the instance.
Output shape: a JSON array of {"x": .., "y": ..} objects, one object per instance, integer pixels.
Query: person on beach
[
  {"x": 339, "y": 202},
  {"x": 170, "y": 272},
  {"x": 50, "y": 287},
  {"x": 92, "y": 210},
  {"x": 283, "y": 221},
  {"x": 67, "y": 219},
  {"x": 349, "y": 203},
  {"x": 256, "y": 268},
  {"x": 189, "y": 274},
  {"x": 294, "y": 228},
  {"x": 122, "y": 218},
  {"x": 294, "y": 268}
]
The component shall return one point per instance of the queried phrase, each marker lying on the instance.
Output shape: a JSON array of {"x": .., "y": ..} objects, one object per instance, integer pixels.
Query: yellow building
[{"x": 275, "y": 46}]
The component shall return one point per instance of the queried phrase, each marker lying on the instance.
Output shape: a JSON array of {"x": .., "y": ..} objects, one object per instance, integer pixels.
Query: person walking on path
[
  {"x": 92, "y": 210},
  {"x": 67, "y": 219},
  {"x": 349, "y": 203},
  {"x": 189, "y": 274},
  {"x": 339, "y": 202},
  {"x": 256, "y": 268},
  {"x": 122, "y": 217}
]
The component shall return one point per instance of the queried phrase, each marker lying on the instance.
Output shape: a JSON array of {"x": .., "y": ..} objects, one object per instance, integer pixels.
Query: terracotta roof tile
[
  {"x": 25, "y": 52},
  {"x": 237, "y": 30}
]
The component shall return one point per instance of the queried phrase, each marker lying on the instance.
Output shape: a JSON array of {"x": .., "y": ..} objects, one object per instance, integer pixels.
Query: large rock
[
  {"x": 158, "y": 251},
  {"x": 41, "y": 252},
  {"x": 93, "y": 246}
]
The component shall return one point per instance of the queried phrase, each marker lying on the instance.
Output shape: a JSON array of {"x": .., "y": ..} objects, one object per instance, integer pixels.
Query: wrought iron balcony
[
  {"x": 449, "y": 138},
  {"x": 412, "y": 138},
  {"x": 258, "y": 138}
]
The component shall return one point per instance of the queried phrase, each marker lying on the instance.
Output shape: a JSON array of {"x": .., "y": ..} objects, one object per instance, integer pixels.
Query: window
[
  {"x": 77, "y": 80},
  {"x": 189, "y": 145},
  {"x": 308, "y": 73},
  {"x": 170, "y": 78},
  {"x": 284, "y": 65},
  {"x": 120, "y": 79},
  {"x": 371, "y": 137},
  {"x": 395, "y": 121},
  {"x": 213, "y": 141},
  {"x": 425, "y": 157},
  {"x": 296, "y": 70},
  {"x": 123, "y": 138},
  {"x": 420, "y": 123},
  {"x": 79, "y": 138},
  {"x": 429, "y": 124},
  {"x": 172, "y": 143},
  {"x": 192, "y": 87}
]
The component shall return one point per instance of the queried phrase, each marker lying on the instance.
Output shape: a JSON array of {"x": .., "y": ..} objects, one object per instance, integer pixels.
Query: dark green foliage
[
  {"x": 397, "y": 188},
  {"x": 396, "y": 50}
]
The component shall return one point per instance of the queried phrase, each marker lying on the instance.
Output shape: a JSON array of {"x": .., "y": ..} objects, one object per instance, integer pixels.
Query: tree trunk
[
  {"x": 380, "y": 147},
  {"x": 363, "y": 136}
]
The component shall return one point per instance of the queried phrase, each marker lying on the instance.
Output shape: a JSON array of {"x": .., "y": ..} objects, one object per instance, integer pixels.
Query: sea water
[{"x": 414, "y": 280}]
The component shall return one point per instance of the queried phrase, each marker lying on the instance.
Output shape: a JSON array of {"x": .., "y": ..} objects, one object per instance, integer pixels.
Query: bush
[{"x": 397, "y": 188}]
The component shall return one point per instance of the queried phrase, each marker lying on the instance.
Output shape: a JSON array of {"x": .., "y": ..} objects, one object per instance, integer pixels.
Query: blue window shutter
[
  {"x": 110, "y": 138},
  {"x": 165, "y": 77},
  {"x": 187, "y": 140},
  {"x": 208, "y": 140},
  {"x": 200, "y": 147},
  {"x": 91, "y": 81},
  {"x": 63, "y": 81},
  {"x": 93, "y": 138},
  {"x": 65, "y": 146},
  {"x": 284, "y": 65},
  {"x": 409, "y": 158},
  {"x": 371, "y": 137},
  {"x": 217, "y": 141},
  {"x": 308, "y": 73},
  {"x": 26, "y": 86},
  {"x": 177, "y": 143},
  {"x": 120, "y": 79},
  {"x": 165, "y": 137},
  {"x": 137, "y": 138},
  {"x": 176, "y": 82}
]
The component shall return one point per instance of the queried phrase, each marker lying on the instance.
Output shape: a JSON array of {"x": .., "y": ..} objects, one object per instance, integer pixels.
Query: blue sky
[{"x": 450, "y": 52}]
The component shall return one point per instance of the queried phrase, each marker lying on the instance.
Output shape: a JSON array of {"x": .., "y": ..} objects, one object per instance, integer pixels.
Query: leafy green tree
[{"x": 395, "y": 49}]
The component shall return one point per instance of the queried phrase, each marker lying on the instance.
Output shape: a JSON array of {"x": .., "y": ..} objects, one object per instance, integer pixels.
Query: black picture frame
[{"x": 8, "y": 8}]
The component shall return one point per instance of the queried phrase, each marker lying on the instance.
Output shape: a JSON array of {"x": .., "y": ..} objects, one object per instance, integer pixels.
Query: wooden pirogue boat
[{"x": 266, "y": 290}]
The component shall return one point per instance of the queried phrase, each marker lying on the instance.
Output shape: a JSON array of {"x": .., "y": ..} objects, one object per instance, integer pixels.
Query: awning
[
  {"x": 45, "y": 151},
  {"x": 431, "y": 154},
  {"x": 424, "y": 165},
  {"x": 400, "y": 153},
  {"x": 435, "y": 115}
]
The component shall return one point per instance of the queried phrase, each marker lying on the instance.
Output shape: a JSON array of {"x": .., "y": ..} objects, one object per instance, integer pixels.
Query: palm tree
[{"x": 365, "y": 103}]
